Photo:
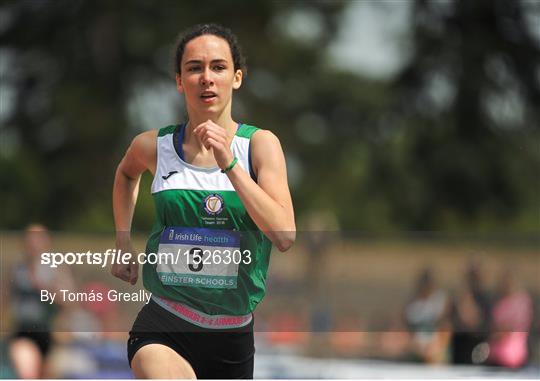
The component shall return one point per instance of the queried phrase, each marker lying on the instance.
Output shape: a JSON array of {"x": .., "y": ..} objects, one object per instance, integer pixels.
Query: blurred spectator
[
  {"x": 92, "y": 345},
  {"x": 511, "y": 321},
  {"x": 33, "y": 318},
  {"x": 470, "y": 317},
  {"x": 426, "y": 316}
]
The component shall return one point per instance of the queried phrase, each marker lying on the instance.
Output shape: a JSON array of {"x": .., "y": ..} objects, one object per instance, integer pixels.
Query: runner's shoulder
[
  {"x": 145, "y": 142},
  {"x": 265, "y": 148},
  {"x": 261, "y": 137}
]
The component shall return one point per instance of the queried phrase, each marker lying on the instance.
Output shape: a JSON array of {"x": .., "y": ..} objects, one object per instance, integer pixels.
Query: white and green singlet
[{"x": 212, "y": 258}]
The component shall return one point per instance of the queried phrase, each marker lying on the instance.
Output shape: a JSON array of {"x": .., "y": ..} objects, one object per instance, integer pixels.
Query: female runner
[{"x": 222, "y": 199}]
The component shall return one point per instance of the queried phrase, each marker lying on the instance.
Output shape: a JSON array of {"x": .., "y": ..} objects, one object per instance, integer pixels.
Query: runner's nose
[{"x": 206, "y": 77}]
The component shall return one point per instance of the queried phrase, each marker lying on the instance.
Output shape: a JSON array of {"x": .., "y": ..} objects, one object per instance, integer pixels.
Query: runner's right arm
[{"x": 140, "y": 156}]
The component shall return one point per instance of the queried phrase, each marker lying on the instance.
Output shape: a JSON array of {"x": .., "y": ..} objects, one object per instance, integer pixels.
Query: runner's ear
[{"x": 237, "y": 82}]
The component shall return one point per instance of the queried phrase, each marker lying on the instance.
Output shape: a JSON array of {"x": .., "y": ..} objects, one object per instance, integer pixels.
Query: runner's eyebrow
[{"x": 217, "y": 60}]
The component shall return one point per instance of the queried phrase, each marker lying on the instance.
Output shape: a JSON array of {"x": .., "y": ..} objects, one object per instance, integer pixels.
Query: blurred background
[{"x": 412, "y": 137}]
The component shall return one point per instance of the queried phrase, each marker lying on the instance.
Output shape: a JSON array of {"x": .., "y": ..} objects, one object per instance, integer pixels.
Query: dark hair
[{"x": 215, "y": 30}]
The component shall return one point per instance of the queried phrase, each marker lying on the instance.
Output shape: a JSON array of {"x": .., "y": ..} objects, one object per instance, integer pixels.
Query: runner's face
[{"x": 207, "y": 76}]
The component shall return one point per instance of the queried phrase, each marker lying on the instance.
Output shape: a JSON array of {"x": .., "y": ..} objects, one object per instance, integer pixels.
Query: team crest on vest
[{"x": 213, "y": 204}]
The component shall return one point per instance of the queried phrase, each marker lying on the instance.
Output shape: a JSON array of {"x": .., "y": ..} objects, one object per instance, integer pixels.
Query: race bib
[{"x": 199, "y": 257}]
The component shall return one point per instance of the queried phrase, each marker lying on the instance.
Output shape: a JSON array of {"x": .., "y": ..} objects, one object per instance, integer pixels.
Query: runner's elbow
[{"x": 285, "y": 240}]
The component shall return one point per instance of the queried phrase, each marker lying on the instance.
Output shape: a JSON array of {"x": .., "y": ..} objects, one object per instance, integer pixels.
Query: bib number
[{"x": 197, "y": 257}]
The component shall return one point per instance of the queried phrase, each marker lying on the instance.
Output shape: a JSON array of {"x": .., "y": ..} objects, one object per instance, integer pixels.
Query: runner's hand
[
  {"x": 214, "y": 137},
  {"x": 127, "y": 272}
]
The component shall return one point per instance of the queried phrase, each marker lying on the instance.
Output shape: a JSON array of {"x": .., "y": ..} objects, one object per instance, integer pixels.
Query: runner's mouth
[{"x": 207, "y": 95}]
